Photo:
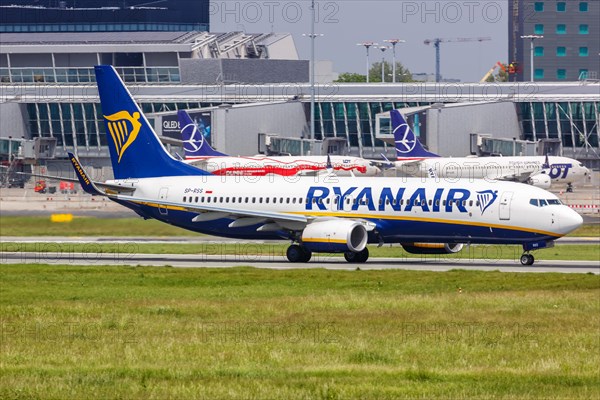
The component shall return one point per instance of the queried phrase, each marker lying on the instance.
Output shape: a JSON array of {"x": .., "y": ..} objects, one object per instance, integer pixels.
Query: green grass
[
  {"x": 90, "y": 226},
  {"x": 577, "y": 252},
  {"x": 154, "y": 333}
]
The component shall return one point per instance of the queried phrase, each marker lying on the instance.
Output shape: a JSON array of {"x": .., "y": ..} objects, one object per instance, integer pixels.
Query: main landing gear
[
  {"x": 298, "y": 254},
  {"x": 357, "y": 258},
  {"x": 527, "y": 259}
]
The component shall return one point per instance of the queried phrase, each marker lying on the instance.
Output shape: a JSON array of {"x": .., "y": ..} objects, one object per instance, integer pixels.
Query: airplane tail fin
[
  {"x": 407, "y": 144},
  {"x": 135, "y": 150},
  {"x": 194, "y": 143}
]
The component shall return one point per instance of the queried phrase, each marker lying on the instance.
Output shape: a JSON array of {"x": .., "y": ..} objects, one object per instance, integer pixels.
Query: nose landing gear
[{"x": 527, "y": 259}]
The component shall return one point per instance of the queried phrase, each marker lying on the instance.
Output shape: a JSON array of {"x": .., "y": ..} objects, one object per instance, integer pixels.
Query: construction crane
[{"x": 436, "y": 42}]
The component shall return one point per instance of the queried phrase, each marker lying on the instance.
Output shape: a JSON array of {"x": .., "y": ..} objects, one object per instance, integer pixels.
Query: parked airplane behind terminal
[
  {"x": 539, "y": 171},
  {"x": 199, "y": 153},
  {"x": 321, "y": 213}
]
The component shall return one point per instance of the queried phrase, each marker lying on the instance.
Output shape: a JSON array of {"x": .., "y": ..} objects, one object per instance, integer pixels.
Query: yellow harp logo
[{"x": 123, "y": 128}]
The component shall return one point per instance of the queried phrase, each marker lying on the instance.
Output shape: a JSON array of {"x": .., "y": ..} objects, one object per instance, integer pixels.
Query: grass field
[
  {"x": 88, "y": 226},
  {"x": 577, "y": 252},
  {"x": 155, "y": 333}
]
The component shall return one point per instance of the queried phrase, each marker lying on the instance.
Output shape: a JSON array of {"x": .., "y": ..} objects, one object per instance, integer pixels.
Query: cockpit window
[{"x": 544, "y": 202}]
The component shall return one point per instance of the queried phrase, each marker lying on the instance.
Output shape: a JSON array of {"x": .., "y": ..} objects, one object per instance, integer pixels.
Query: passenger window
[
  {"x": 470, "y": 203},
  {"x": 196, "y": 199},
  {"x": 430, "y": 202},
  {"x": 202, "y": 199},
  {"x": 534, "y": 202},
  {"x": 184, "y": 197},
  {"x": 233, "y": 199}
]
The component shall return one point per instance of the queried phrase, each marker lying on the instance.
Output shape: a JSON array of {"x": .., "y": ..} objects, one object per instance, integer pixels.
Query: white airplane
[
  {"x": 414, "y": 160},
  {"x": 199, "y": 153},
  {"x": 320, "y": 213}
]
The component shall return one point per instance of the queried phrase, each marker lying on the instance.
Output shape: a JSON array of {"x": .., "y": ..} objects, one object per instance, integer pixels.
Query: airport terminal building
[{"x": 256, "y": 94}]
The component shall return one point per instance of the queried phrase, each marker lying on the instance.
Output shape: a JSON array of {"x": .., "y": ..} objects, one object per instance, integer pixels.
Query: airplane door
[
  {"x": 162, "y": 195},
  {"x": 505, "y": 201}
]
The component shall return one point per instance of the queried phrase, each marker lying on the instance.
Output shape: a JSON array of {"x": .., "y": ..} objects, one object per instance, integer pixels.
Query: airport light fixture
[
  {"x": 312, "y": 36},
  {"x": 532, "y": 39},
  {"x": 383, "y": 49},
  {"x": 367, "y": 45},
  {"x": 394, "y": 42}
]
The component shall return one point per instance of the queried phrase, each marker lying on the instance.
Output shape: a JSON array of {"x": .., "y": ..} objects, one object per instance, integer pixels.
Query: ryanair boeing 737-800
[{"x": 320, "y": 213}]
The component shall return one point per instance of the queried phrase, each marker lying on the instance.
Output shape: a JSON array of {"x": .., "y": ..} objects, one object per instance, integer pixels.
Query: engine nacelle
[
  {"x": 335, "y": 236},
  {"x": 541, "y": 180},
  {"x": 432, "y": 248}
]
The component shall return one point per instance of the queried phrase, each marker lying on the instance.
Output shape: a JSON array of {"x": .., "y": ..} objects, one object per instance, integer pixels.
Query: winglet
[
  {"x": 407, "y": 144},
  {"x": 546, "y": 164},
  {"x": 86, "y": 183}
]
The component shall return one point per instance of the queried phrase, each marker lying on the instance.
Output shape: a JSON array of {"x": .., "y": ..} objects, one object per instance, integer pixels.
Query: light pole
[
  {"x": 367, "y": 45},
  {"x": 383, "y": 49},
  {"x": 532, "y": 38},
  {"x": 394, "y": 42},
  {"x": 312, "y": 37}
]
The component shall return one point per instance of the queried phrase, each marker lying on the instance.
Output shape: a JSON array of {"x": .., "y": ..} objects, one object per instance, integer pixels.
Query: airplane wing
[
  {"x": 210, "y": 213},
  {"x": 522, "y": 178}
]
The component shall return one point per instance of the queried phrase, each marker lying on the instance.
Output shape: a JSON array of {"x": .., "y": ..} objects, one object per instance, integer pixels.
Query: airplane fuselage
[
  {"x": 284, "y": 165},
  {"x": 398, "y": 209},
  {"x": 562, "y": 169}
]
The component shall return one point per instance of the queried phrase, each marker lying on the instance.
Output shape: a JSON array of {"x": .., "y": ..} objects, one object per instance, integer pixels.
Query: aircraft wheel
[
  {"x": 527, "y": 259},
  {"x": 306, "y": 254},
  {"x": 294, "y": 253},
  {"x": 356, "y": 258},
  {"x": 298, "y": 254}
]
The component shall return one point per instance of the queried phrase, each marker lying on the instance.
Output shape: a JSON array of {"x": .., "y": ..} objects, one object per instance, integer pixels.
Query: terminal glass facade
[
  {"x": 105, "y": 16},
  {"x": 81, "y": 124},
  {"x": 86, "y": 75}
]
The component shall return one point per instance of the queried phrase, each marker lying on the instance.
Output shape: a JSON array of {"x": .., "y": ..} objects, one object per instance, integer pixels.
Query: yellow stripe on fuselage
[{"x": 386, "y": 217}]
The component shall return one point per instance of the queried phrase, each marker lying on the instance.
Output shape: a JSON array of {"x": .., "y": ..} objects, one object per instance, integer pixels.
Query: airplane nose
[{"x": 570, "y": 220}]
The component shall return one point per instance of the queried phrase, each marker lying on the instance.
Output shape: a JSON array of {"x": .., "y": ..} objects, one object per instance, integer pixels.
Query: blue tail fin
[
  {"x": 135, "y": 150},
  {"x": 407, "y": 144},
  {"x": 192, "y": 135}
]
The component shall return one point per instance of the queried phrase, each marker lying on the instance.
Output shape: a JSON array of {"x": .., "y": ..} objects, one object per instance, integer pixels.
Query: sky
[{"x": 348, "y": 22}]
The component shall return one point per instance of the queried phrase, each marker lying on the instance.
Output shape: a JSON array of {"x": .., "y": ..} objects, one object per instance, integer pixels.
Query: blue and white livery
[
  {"x": 320, "y": 213},
  {"x": 414, "y": 160}
]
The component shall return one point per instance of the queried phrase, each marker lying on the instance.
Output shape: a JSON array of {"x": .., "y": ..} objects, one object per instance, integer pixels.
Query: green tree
[
  {"x": 402, "y": 73},
  {"x": 347, "y": 77}
]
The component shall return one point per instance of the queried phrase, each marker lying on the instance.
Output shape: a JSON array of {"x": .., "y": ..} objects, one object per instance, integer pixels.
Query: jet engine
[
  {"x": 432, "y": 248},
  {"x": 335, "y": 235},
  {"x": 541, "y": 180}
]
